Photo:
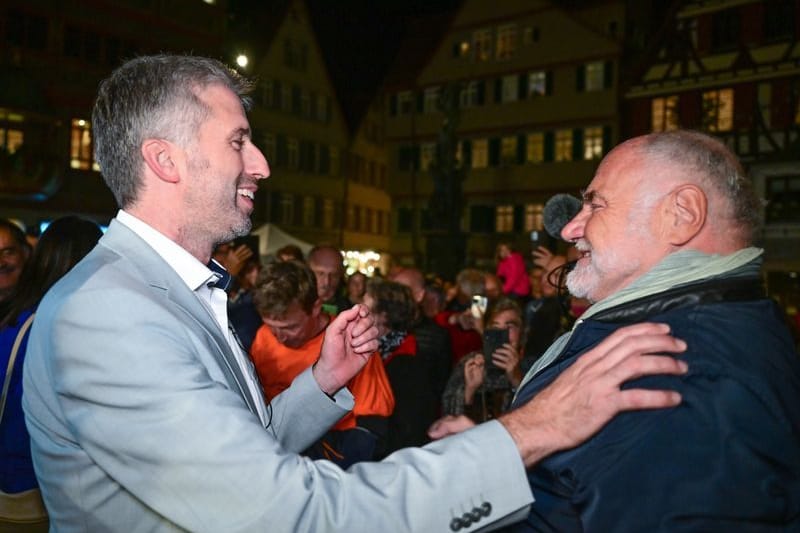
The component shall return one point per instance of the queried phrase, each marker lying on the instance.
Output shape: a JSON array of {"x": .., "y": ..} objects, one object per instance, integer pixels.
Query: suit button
[
  {"x": 456, "y": 524},
  {"x": 486, "y": 508}
]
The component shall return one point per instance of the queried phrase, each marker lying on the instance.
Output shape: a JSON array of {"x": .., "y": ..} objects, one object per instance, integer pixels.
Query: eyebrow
[
  {"x": 590, "y": 196},
  {"x": 241, "y": 132}
]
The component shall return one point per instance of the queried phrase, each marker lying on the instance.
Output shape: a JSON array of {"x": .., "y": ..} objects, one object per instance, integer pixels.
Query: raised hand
[{"x": 350, "y": 339}]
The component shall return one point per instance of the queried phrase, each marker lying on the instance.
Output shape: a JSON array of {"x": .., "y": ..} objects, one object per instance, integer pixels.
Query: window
[
  {"x": 405, "y": 102},
  {"x": 267, "y": 93},
  {"x": 309, "y": 211},
  {"x": 664, "y": 113},
  {"x": 469, "y": 95},
  {"x": 718, "y": 110},
  {"x": 535, "y": 148},
  {"x": 431, "y": 100},
  {"x": 269, "y": 147},
  {"x": 530, "y": 35},
  {"x": 594, "y": 76},
  {"x": 592, "y": 143},
  {"x": 335, "y": 161},
  {"x": 482, "y": 44},
  {"x": 305, "y": 103},
  {"x": 510, "y": 89},
  {"x": 779, "y": 20},
  {"x": 504, "y": 218},
  {"x": 328, "y": 213},
  {"x": 508, "y": 150},
  {"x": 481, "y": 218},
  {"x": 80, "y": 149},
  {"x": 405, "y": 220},
  {"x": 293, "y": 153},
  {"x": 563, "y": 145},
  {"x": 286, "y": 97},
  {"x": 480, "y": 153},
  {"x": 537, "y": 83},
  {"x": 11, "y": 133},
  {"x": 322, "y": 108},
  {"x": 506, "y": 41},
  {"x": 427, "y": 155},
  {"x": 783, "y": 199},
  {"x": 765, "y": 102},
  {"x": 534, "y": 217},
  {"x": 287, "y": 208},
  {"x": 725, "y": 30}
]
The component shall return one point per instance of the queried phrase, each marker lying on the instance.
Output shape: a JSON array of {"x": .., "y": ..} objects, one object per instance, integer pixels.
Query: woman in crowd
[
  {"x": 356, "y": 287},
  {"x": 511, "y": 269},
  {"x": 481, "y": 385},
  {"x": 65, "y": 242}
]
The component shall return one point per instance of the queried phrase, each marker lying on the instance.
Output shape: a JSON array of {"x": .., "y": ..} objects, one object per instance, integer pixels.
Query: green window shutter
[
  {"x": 494, "y": 152},
  {"x": 521, "y": 149},
  {"x": 549, "y": 146},
  {"x": 577, "y": 144}
]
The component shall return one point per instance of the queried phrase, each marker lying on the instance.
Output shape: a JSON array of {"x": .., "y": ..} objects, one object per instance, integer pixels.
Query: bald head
[
  {"x": 414, "y": 280},
  {"x": 327, "y": 265}
]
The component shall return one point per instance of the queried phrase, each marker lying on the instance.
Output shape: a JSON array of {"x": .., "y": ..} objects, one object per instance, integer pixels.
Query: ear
[
  {"x": 316, "y": 309},
  {"x": 685, "y": 214},
  {"x": 160, "y": 157}
]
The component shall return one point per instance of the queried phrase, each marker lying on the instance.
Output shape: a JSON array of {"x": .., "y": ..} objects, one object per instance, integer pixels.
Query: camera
[{"x": 493, "y": 338}]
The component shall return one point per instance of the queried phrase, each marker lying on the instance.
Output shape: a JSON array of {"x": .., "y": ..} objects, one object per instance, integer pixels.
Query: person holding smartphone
[{"x": 482, "y": 384}]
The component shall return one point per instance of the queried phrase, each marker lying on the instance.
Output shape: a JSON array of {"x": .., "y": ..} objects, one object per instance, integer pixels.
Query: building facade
[
  {"x": 533, "y": 90},
  {"x": 53, "y": 55}
]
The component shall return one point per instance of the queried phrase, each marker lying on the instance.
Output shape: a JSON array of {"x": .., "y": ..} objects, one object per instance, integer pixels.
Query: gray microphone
[{"x": 559, "y": 210}]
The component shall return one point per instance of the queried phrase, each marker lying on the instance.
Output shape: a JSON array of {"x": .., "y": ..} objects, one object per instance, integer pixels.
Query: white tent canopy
[{"x": 271, "y": 238}]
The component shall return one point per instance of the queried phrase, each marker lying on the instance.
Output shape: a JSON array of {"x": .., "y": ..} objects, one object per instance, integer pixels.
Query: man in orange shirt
[{"x": 290, "y": 341}]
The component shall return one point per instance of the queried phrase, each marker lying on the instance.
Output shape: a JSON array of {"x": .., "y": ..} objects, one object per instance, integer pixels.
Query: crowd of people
[{"x": 172, "y": 381}]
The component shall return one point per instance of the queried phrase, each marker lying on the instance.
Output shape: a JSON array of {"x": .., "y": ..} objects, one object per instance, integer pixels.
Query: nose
[
  {"x": 573, "y": 230},
  {"x": 255, "y": 164}
]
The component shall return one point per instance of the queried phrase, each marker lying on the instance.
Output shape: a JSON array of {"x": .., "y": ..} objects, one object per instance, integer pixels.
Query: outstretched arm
[{"x": 588, "y": 395}]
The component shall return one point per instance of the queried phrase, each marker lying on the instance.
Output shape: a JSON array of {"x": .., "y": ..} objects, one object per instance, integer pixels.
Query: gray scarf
[{"x": 680, "y": 268}]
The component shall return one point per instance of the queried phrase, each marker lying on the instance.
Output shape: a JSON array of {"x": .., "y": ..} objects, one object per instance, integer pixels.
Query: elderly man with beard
[{"x": 665, "y": 235}]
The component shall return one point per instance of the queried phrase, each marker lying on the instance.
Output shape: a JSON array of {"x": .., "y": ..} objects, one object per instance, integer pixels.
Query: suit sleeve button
[
  {"x": 486, "y": 508},
  {"x": 456, "y": 524}
]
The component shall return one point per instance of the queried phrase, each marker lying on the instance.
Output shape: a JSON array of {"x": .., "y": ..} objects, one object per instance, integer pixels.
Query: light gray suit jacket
[{"x": 138, "y": 423}]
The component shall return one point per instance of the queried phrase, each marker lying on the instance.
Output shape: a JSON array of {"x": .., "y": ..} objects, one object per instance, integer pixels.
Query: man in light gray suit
[{"x": 144, "y": 413}]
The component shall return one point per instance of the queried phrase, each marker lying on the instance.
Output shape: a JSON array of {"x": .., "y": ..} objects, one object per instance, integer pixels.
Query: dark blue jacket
[{"x": 726, "y": 459}]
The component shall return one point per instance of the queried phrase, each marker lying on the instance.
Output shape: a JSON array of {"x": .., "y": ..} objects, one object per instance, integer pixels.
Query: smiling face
[
  {"x": 223, "y": 166},
  {"x": 615, "y": 230}
]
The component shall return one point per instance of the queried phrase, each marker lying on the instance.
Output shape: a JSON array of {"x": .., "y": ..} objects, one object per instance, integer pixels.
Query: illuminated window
[
  {"x": 328, "y": 213},
  {"x": 504, "y": 218},
  {"x": 309, "y": 211},
  {"x": 293, "y": 153},
  {"x": 718, "y": 110},
  {"x": 463, "y": 48},
  {"x": 508, "y": 150},
  {"x": 11, "y": 136},
  {"x": 510, "y": 88},
  {"x": 431, "y": 100},
  {"x": 482, "y": 44},
  {"x": 427, "y": 155},
  {"x": 80, "y": 146},
  {"x": 664, "y": 113},
  {"x": 592, "y": 143},
  {"x": 594, "y": 76},
  {"x": 506, "y": 41},
  {"x": 535, "y": 148},
  {"x": 537, "y": 83},
  {"x": 534, "y": 217},
  {"x": 469, "y": 95},
  {"x": 480, "y": 153},
  {"x": 563, "y": 145}
]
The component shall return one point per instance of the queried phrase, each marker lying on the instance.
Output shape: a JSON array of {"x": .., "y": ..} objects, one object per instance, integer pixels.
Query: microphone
[{"x": 559, "y": 210}]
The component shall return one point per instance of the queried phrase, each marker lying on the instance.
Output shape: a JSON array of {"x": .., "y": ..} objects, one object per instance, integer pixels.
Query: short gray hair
[
  {"x": 152, "y": 97},
  {"x": 715, "y": 167}
]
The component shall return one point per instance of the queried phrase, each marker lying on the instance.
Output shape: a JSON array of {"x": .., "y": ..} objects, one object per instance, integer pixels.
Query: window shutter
[
  {"x": 494, "y": 152},
  {"x": 606, "y": 139},
  {"x": 519, "y": 218},
  {"x": 420, "y": 101},
  {"x": 521, "y": 149},
  {"x": 466, "y": 151},
  {"x": 577, "y": 144},
  {"x": 522, "y": 87},
  {"x": 549, "y": 146},
  {"x": 498, "y": 89},
  {"x": 548, "y": 77},
  {"x": 393, "y": 105},
  {"x": 278, "y": 95},
  {"x": 608, "y": 74},
  {"x": 481, "y": 92},
  {"x": 580, "y": 78}
]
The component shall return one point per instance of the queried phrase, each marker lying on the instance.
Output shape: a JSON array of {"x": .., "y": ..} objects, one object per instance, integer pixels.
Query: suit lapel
[{"x": 156, "y": 273}]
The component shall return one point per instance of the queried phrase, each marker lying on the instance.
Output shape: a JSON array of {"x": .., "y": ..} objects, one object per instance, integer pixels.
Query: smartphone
[
  {"x": 478, "y": 307},
  {"x": 493, "y": 339},
  {"x": 536, "y": 239}
]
